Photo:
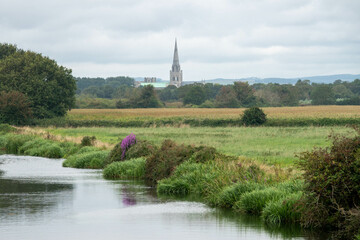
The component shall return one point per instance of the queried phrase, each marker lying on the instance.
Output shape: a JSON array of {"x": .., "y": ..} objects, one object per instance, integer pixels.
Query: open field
[
  {"x": 266, "y": 144},
  {"x": 223, "y": 113}
]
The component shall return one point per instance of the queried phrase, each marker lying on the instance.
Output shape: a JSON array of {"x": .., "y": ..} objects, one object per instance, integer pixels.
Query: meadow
[{"x": 271, "y": 145}]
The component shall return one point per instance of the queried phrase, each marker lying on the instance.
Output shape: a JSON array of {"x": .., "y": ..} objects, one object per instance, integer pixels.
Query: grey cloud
[{"x": 261, "y": 34}]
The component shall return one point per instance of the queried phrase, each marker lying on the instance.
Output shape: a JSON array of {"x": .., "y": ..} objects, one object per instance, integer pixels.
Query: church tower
[{"x": 176, "y": 76}]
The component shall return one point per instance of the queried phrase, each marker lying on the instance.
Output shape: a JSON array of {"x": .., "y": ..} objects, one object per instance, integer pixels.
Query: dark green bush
[
  {"x": 164, "y": 161},
  {"x": 88, "y": 141},
  {"x": 332, "y": 186},
  {"x": 115, "y": 154},
  {"x": 139, "y": 149},
  {"x": 253, "y": 116}
]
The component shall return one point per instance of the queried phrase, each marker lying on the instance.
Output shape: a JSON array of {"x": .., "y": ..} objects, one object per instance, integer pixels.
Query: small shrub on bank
[
  {"x": 332, "y": 186},
  {"x": 254, "y": 202},
  {"x": 126, "y": 143},
  {"x": 88, "y": 141},
  {"x": 163, "y": 162},
  {"x": 139, "y": 149},
  {"x": 130, "y": 169},
  {"x": 253, "y": 117}
]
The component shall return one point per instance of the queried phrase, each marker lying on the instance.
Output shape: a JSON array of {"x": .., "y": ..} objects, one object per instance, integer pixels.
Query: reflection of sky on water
[{"x": 41, "y": 200}]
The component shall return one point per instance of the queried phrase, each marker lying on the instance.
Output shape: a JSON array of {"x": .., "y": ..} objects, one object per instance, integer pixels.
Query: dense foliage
[
  {"x": 253, "y": 117},
  {"x": 49, "y": 87},
  {"x": 14, "y": 108},
  {"x": 332, "y": 178},
  {"x": 209, "y": 95}
]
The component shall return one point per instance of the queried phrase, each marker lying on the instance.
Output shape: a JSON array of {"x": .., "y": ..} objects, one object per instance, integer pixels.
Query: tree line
[{"x": 123, "y": 94}]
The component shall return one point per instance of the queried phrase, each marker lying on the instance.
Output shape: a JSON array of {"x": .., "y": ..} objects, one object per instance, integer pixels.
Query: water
[{"x": 39, "y": 199}]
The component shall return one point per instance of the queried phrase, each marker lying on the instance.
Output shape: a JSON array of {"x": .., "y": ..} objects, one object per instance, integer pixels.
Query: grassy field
[
  {"x": 223, "y": 113},
  {"x": 266, "y": 144}
]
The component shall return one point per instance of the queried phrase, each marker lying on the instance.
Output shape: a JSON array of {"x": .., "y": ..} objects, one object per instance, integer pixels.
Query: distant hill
[{"x": 314, "y": 79}]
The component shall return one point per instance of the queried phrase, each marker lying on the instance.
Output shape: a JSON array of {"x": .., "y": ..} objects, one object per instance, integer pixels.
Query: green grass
[
  {"x": 92, "y": 159},
  {"x": 231, "y": 194},
  {"x": 253, "y": 202},
  {"x": 271, "y": 145},
  {"x": 283, "y": 210},
  {"x": 130, "y": 169},
  {"x": 41, "y": 147}
]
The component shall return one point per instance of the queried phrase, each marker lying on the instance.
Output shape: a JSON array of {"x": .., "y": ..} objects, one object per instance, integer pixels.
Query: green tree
[
  {"x": 14, "y": 108},
  {"x": 49, "y": 87},
  {"x": 196, "y": 95},
  {"x": 322, "y": 94},
  {"x": 341, "y": 91},
  {"x": 244, "y": 93},
  {"x": 147, "y": 98},
  {"x": 226, "y": 98},
  {"x": 170, "y": 93}
]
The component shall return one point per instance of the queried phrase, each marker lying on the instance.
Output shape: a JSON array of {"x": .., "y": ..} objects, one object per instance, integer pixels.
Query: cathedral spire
[
  {"x": 176, "y": 72},
  {"x": 176, "y": 64}
]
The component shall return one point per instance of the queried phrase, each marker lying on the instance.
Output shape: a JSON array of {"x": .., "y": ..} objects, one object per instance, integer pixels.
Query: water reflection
[{"x": 41, "y": 200}]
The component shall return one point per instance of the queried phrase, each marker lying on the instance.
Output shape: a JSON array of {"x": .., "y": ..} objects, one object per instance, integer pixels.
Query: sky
[{"x": 216, "y": 38}]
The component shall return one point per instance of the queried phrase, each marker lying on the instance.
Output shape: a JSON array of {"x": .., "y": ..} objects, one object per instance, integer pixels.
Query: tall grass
[
  {"x": 283, "y": 210},
  {"x": 231, "y": 194},
  {"x": 205, "y": 180},
  {"x": 130, "y": 169},
  {"x": 254, "y": 202},
  {"x": 92, "y": 159}
]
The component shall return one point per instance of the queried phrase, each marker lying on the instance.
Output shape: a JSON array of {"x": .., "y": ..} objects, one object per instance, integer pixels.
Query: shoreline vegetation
[{"x": 251, "y": 170}]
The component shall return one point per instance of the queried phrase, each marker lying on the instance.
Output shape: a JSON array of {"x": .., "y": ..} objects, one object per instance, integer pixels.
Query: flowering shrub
[{"x": 126, "y": 143}]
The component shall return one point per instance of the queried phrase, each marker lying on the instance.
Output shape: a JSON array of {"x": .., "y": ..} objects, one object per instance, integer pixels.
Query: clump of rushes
[
  {"x": 92, "y": 159},
  {"x": 131, "y": 169},
  {"x": 283, "y": 210},
  {"x": 231, "y": 194},
  {"x": 254, "y": 202},
  {"x": 126, "y": 143}
]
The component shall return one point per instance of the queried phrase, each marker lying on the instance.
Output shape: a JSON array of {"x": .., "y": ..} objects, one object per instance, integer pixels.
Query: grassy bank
[
  {"x": 223, "y": 168},
  {"x": 270, "y": 145}
]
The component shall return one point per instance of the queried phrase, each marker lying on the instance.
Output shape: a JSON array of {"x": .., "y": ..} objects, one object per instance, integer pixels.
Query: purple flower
[{"x": 126, "y": 143}]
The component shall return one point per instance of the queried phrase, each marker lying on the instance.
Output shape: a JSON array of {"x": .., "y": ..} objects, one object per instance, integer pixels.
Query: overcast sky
[{"x": 216, "y": 38}]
